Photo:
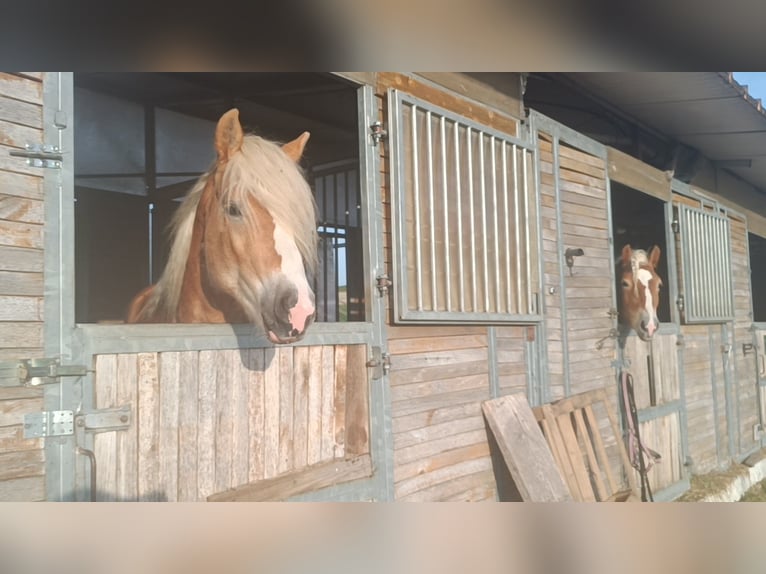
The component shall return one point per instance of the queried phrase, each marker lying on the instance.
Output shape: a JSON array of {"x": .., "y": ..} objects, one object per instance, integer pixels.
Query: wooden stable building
[{"x": 468, "y": 229}]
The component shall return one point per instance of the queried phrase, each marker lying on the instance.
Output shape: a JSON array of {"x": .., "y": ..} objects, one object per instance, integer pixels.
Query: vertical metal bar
[
  {"x": 371, "y": 221},
  {"x": 461, "y": 273},
  {"x": 484, "y": 221},
  {"x": 695, "y": 263},
  {"x": 528, "y": 257},
  {"x": 562, "y": 266},
  {"x": 506, "y": 217},
  {"x": 150, "y": 174},
  {"x": 472, "y": 215},
  {"x": 716, "y": 268},
  {"x": 62, "y": 470},
  {"x": 345, "y": 246},
  {"x": 517, "y": 228},
  {"x": 150, "y": 218},
  {"x": 432, "y": 226},
  {"x": 447, "y": 278},
  {"x": 416, "y": 203},
  {"x": 335, "y": 250},
  {"x": 494, "y": 380},
  {"x": 325, "y": 250},
  {"x": 494, "y": 217}
]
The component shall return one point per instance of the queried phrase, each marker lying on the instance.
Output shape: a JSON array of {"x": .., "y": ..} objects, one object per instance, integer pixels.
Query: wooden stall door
[
  {"x": 657, "y": 390},
  {"x": 205, "y": 422},
  {"x": 760, "y": 346}
]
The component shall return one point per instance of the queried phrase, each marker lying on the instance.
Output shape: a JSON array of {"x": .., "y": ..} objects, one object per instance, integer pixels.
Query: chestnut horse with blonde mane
[
  {"x": 639, "y": 290},
  {"x": 243, "y": 241}
]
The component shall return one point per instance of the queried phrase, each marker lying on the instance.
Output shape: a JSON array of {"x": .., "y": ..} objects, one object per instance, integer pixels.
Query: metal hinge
[
  {"x": 378, "y": 133},
  {"x": 383, "y": 282},
  {"x": 41, "y": 155},
  {"x": 34, "y": 372},
  {"x": 380, "y": 363},
  {"x": 62, "y": 423}
]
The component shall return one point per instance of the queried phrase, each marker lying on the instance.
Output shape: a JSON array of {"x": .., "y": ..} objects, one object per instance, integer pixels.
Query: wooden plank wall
[
  {"x": 662, "y": 434},
  {"x": 208, "y": 421},
  {"x": 21, "y": 280},
  {"x": 440, "y": 375},
  {"x": 588, "y": 292},
  {"x": 744, "y": 365}
]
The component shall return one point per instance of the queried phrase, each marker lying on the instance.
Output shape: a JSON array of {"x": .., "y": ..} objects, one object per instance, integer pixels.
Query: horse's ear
[
  {"x": 294, "y": 149},
  {"x": 228, "y": 135},
  {"x": 654, "y": 255},
  {"x": 627, "y": 253}
]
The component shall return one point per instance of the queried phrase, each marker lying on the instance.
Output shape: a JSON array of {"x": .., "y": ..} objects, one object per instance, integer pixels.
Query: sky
[{"x": 755, "y": 82}]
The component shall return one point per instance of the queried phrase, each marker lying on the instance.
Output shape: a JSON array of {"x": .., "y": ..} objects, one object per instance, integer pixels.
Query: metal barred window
[
  {"x": 465, "y": 218},
  {"x": 706, "y": 255}
]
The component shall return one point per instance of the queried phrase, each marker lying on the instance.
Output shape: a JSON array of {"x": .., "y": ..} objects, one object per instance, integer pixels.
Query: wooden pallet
[{"x": 578, "y": 446}]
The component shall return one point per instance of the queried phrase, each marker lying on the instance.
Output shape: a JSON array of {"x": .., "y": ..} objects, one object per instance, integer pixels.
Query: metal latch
[
  {"x": 62, "y": 423},
  {"x": 380, "y": 363},
  {"x": 105, "y": 420},
  {"x": 378, "y": 132},
  {"x": 41, "y": 155},
  {"x": 383, "y": 282},
  {"x": 34, "y": 372}
]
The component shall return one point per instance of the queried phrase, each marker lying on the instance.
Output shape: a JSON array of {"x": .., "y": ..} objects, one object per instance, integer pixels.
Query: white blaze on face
[
  {"x": 292, "y": 268},
  {"x": 644, "y": 276}
]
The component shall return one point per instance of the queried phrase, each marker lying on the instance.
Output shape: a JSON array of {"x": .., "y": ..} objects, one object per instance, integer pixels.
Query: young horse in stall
[
  {"x": 639, "y": 290},
  {"x": 242, "y": 242}
]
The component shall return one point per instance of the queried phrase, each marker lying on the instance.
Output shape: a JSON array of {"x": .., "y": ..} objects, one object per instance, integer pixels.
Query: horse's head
[
  {"x": 639, "y": 290},
  {"x": 259, "y": 232}
]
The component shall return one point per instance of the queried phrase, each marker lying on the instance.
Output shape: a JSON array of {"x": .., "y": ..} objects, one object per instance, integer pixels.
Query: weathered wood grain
[
  {"x": 240, "y": 444},
  {"x": 256, "y": 409},
  {"x": 524, "y": 449},
  {"x": 339, "y": 433},
  {"x": 22, "y": 463},
  {"x": 27, "y": 489},
  {"x": 127, "y": 440},
  {"x": 311, "y": 478},
  {"x": 20, "y": 88},
  {"x": 168, "y": 448},
  {"x": 224, "y": 420},
  {"x": 357, "y": 402},
  {"x": 188, "y": 424},
  {"x": 20, "y": 185},
  {"x": 21, "y": 209},
  {"x": 22, "y": 113},
  {"x": 328, "y": 402},
  {"x": 286, "y": 412},
  {"x": 20, "y": 335},
  {"x": 272, "y": 416},
  {"x": 314, "y": 406},
  {"x": 148, "y": 427},
  {"x": 21, "y": 309},
  {"x": 12, "y": 411},
  {"x": 206, "y": 424},
  {"x": 300, "y": 382},
  {"x": 20, "y": 259}
]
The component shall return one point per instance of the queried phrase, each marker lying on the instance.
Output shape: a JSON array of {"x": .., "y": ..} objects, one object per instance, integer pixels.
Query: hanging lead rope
[{"x": 636, "y": 448}]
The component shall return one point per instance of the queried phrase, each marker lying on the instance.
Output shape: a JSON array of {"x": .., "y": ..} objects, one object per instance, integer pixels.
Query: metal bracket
[
  {"x": 48, "y": 423},
  {"x": 105, "y": 420},
  {"x": 41, "y": 155},
  {"x": 383, "y": 282},
  {"x": 62, "y": 423},
  {"x": 380, "y": 363},
  {"x": 34, "y": 372},
  {"x": 378, "y": 133}
]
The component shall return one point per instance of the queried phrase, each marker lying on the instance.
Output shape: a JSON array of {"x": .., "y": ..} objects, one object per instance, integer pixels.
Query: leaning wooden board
[{"x": 525, "y": 450}]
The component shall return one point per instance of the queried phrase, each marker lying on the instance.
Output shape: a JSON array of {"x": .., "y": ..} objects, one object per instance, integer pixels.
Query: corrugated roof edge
[{"x": 743, "y": 91}]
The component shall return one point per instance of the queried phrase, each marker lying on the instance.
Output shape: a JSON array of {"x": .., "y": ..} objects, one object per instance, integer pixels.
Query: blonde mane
[{"x": 278, "y": 184}]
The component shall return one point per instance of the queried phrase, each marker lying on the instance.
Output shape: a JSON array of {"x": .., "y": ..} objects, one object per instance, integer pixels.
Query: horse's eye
[
  {"x": 625, "y": 284},
  {"x": 233, "y": 210}
]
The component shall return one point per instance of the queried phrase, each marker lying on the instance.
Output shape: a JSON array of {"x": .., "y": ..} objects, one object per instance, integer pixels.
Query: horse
[
  {"x": 243, "y": 242},
  {"x": 639, "y": 290}
]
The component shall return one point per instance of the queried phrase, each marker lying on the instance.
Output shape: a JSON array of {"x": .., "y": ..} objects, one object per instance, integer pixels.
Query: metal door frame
[{"x": 67, "y": 465}]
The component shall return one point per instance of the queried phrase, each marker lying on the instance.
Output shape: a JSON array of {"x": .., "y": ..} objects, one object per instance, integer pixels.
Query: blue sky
[{"x": 755, "y": 82}]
